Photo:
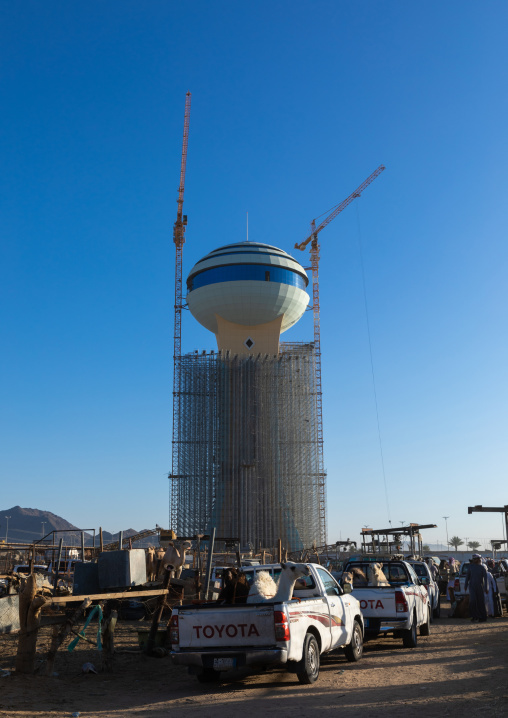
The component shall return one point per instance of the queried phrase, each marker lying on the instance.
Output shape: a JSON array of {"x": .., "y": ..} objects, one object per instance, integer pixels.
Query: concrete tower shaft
[{"x": 248, "y": 448}]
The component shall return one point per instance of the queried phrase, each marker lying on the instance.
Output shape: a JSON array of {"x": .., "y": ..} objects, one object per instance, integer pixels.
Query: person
[
  {"x": 477, "y": 581},
  {"x": 492, "y": 598}
]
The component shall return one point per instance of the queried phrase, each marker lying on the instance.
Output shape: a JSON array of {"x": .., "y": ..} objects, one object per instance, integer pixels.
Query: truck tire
[
  {"x": 208, "y": 675},
  {"x": 308, "y": 668},
  {"x": 354, "y": 649},
  {"x": 437, "y": 611},
  {"x": 425, "y": 627},
  {"x": 410, "y": 637}
]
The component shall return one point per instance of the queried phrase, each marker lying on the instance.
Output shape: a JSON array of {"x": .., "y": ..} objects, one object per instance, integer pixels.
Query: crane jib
[{"x": 339, "y": 208}]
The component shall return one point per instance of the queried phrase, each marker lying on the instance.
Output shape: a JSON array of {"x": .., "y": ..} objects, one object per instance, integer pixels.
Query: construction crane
[
  {"x": 314, "y": 256},
  {"x": 179, "y": 240}
]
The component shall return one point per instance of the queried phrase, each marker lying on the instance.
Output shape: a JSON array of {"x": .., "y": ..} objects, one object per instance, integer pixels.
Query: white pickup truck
[
  {"x": 501, "y": 579},
  {"x": 400, "y": 607},
  {"x": 211, "y": 638},
  {"x": 426, "y": 579}
]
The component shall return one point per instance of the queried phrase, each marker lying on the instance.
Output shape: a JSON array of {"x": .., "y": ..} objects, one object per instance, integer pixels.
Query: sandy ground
[{"x": 460, "y": 669}]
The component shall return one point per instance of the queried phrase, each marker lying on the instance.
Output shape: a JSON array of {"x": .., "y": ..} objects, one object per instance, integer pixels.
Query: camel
[
  {"x": 235, "y": 587},
  {"x": 347, "y": 577},
  {"x": 376, "y": 575},
  {"x": 261, "y": 590},
  {"x": 158, "y": 564},
  {"x": 150, "y": 564},
  {"x": 174, "y": 558},
  {"x": 264, "y": 588},
  {"x": 359, "y": 578}
]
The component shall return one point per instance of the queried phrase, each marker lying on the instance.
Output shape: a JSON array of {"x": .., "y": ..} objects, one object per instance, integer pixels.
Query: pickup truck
[
  {"x": 423, "y": 572},
  {"x": 211, "y": 638},
  {"x": 501, "y": 579},
  {"x": 400, "y": 607}
]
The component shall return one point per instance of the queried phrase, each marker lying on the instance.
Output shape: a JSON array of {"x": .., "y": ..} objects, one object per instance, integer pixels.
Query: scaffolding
[{"x": 249, "y": 458}]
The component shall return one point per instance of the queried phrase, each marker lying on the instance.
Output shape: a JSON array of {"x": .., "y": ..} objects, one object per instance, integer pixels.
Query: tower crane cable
[
  {"x": 372, "y": 362},
  {"x": 314, "y": 255},
  {"x": 179, "y": 240}
]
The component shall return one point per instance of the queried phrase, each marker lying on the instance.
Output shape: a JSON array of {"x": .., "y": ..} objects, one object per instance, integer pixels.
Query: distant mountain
[{"x": 27, "y": 525}]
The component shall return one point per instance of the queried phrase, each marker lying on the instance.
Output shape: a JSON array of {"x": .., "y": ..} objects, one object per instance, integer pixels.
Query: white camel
[
  {"x": 265, "y": 590},
  {"x": 376, "y": 575}
]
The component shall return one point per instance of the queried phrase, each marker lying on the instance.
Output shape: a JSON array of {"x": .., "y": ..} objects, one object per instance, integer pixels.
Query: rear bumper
[
  {"x": 376, "y": 625},
  {"x": 251, "y": 657}
]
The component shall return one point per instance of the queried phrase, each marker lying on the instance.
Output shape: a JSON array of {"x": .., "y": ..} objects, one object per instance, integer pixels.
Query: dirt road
[{"x": 460, "y": 669}]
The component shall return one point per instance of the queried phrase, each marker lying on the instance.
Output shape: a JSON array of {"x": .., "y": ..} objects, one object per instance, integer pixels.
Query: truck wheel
[
  {"x": 410, "y": 637},
  {"x": 437, "y": 611},
  {"x": 308, "y": 667},
  {"x": 425, "y": 627},
  {"x": 354, "y": 649},
  {"x": 208, "y": 675}
]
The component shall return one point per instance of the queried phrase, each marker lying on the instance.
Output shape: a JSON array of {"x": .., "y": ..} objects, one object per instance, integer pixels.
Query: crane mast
[
  {"x": 179, "y": 240},
  {"x": 314, "y": 257}
]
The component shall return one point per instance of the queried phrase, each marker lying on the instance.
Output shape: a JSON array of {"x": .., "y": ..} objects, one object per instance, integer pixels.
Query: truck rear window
[
  {"x": 395, "y": 574},
  {"x": 420, "y": 570},
  {"x": 305, "y": 582}
]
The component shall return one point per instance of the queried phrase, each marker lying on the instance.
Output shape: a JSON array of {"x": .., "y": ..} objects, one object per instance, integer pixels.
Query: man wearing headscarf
[
  {"x": 492, "y": 598},
  {"x": 478, "y": 582}
]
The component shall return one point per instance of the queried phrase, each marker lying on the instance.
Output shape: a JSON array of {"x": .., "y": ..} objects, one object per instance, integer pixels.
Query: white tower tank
[{"x": 247, "y": 294}]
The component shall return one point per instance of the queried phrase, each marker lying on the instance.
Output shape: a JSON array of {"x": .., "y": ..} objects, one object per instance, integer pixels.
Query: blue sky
[{"x": 294, "y": 104}]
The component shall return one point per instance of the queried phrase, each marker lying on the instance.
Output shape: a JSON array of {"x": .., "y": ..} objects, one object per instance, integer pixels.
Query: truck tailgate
[
  {"x": 376, "y": 603},
  {"x": 240, "y": 627}
]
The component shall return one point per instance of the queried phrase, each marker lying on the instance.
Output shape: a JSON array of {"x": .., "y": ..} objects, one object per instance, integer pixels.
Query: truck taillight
[
  {"x": 400, "y": 602},
  {"x": 174, "y": 633},
  {"x": 281, "y": 626},
  {"x": 456, "y": 585}
]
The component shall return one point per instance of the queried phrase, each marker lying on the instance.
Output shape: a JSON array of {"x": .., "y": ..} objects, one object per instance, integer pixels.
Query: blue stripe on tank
[{"x": 246, "y": 272}]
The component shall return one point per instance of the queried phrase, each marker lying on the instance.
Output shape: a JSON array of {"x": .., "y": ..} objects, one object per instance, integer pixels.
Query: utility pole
[
  {"x": 446, "y": 523},
  {"x": 6, "y": 527}
]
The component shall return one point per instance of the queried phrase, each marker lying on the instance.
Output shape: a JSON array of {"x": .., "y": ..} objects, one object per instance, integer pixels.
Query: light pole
[
  {"x": 446, "y": 522},
  {"x": 401, "y": 536},
  {"x": 6, "y": 527},
  {"x": 43, "y": 524}
]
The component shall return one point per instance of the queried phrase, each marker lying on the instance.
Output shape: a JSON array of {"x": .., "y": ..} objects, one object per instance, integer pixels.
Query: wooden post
[
  {"x": 57, "y": 567},
  {"x": 59, "y": 636},
  {"x": 211, "y": 545},
  {"x": 30, "y": 607},
  {"x": 108, "y": 642},
  {"x": 150, "y": 643},
  {"x": 279, "y": 550}
]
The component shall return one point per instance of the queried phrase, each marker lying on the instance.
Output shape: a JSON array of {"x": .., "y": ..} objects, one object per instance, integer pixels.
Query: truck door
[
  {"x": 338, "y": 618},
  {"x": 420, "y": 595}
]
